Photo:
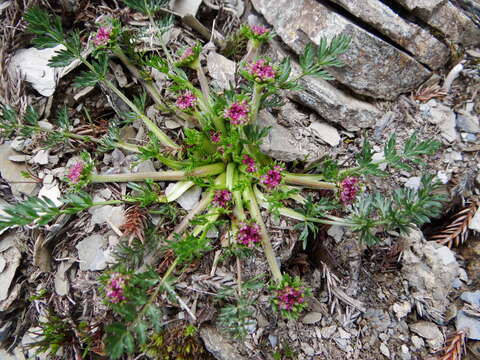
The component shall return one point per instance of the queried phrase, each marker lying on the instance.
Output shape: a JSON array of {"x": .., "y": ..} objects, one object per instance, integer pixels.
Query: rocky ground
[{"x": 413, "y": 66}]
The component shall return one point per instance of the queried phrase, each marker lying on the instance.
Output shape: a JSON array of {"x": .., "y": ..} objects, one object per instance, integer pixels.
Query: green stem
[
  {"x": 308, "y": 181},
  {"x": 254, "y": 210},
  {"x": 257, "y": 96},
  {"x": 171, "y": 175},
  {"x": 203, "y": 83}
]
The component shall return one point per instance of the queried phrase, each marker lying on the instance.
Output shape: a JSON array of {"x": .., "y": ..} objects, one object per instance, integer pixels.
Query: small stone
[
  {"x": 405, "y": 353},
  {"x": 468, "y": 123},
  {"x": 40, "y": 158},
  {"x": 443, "y": 177},
  {"x": 45, "y": 125},
  {"x": 190, "y": 198},
  {"x": 446, "y": 255},
  {"x": 471, "y": 297},
  {"x": 467, "y": 137},
  {"x": 221, "y": 69},
  {"x": 444, "y": 118},
  {"x": 402, "y": 309},
  {"x": 378, "y": 157},
  {"x": 327, "y": 332},
  {"x": 218, "y": 345},
  {"x": 475, "y": 222},
  {"x": 12, "y": 257},
  {"x": 19, "y": 158},
  {"x": 114, "y": 215},
  {"x": 91, "y": 253},
  {"x": 336, "y": 232},
  {"x": 312, "y": 318},
  {"x": 51, "y": 192},
  {"x": 307, "y": 349},
  {"x": 273, "y": 339},
  {"x": 171, "y": 124},
  {"x": 12, "y": 172},
  {"x": 384, "y": 350},
  {"x": 469, "y": 324},
  {"x": 417, "y": 342},
  {"x": 326, "y": 132},
  {"x": 430, "y": 332},
  {"x": 144, "y": 166}
]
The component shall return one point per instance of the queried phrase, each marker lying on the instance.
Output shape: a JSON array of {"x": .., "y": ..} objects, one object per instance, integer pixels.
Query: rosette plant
[{"x": 220, "y": 152}]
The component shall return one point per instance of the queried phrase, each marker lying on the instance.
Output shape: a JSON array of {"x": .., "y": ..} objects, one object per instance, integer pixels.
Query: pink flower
[
  {"x": 261, "y": 70},
  {"x": 250, "y": 162},
  {"x": 186, "y": 101},
  {"x": 349, "y": 190},
  {"x": 237, "y": 113},
  {"x": 215, "y": 137},
  {"x": 187, "y": 53},
  {"x": 272, "y": 178},
  {"x": 249, "y": 235},
  {"x": 115, "y": 287},
  {"x": 222, "y": 198},
  {"x": 75, "y": 172},
  {"x": 288, "y": 297},
  {"x": 259, "y": 30},
  {"x": 102, "y": 37}
]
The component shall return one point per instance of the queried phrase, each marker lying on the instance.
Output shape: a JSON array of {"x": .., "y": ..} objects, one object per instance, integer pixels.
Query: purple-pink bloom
[
  {"x": 187, "y": 53},
  {"x": 222, "y": 198},
  {"x": 250, "y": 162},
  {"x": 261, "y": 70},
  {"x": 237, "y": 113},
  {"x": 102, "y": 37},
  {"x": 75, "y": 172},
  {"x": 272, "y": 178},
  {"x": 186, "y": 101},
  {"x": 215, "y": 137},
  {"x": 115, "y": 287},
  {"x": 259, "y": 30},
  {"x": 288, "y": 297},
  {"x": 349, "y": 189},
  {"x": 249, "y": 235}
]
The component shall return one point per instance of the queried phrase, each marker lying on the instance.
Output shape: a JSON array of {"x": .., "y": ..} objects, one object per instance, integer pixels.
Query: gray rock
[
  {"x": 444, "y": 118},
  {"x": 326, "y": 132},
  {"x": 417, "y": 342},
  {"x": 445, "y": 255},
  {"x": 18, "y": 158},
  {"x": 189, "y": 198},
  {"x": 413, "y": 38},
  {"x": 475, "y": 222},
  {"x": 12, "y": 257},
  {"x": 430, "y": 332},
  {"x": 273, "y": 339},
  {"x": 372, "y": 66},
  {"x": 312, "y": 318},
  {"x": 12, "y": 173},
  {"x": 91, "y": 252},
  {"x": 328, "y": 331},
  {"x": 446, "y": 18},
  {"x": 468, "y": 123},
  {"x": 405, "y": 352},
  {"x": 336, "y": 232},
  {"x": 144, "y": 166},
  {"x": 186, "y": 7},
  {"x": 61, "y": 282},
  {"x": 402, "y": 309},
  {"x": 221, "y": 69},
  {"x": 218, "y": 345},
  {"x": 112, "y": 215},
  {"x": 469, "y": 324},
  {"x": 40, "y": 158},
  {"x": 384, "y": 350},
  {"x": 471, "y": 297},
  {"x": 30, "y": 337}
]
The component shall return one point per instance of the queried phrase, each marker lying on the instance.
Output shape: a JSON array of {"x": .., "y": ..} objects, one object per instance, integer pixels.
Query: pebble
[
  {"x": 328, "y": 331},
  {"x": 475, "y": 222},
  {"x": 326, "y": 132},
  {"x": 402, "y": 309},
  {"x": 417, "y": 342},
  {"x": 384, "y": 350},
  {"x": 469, "y": 324},
  {"x": 405, "y": 353},
  {"x": 273, "y": 339},
  {"x": 471, "y": 297},
  {"x": 312, "y": 318},
  {"x": 91, "y": 253}
]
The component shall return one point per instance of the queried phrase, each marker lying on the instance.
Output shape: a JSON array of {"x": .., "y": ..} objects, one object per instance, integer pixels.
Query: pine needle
[{"x": 455, "y": 346}]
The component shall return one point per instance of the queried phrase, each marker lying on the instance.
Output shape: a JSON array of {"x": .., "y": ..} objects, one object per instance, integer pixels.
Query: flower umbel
[
  {"x": 222, "y": 198},
  {"x": 349, "y": 189},
  {"x": 262, "y": 71},
  {"x": 75, "y": 172},
  {"x": 215, "y": 137},
  {"x": 249, "y": 235},
  {"x": 186, "y": 101},
  {"x": 259, "y": 30},
  {"x": 237, "y": 113},
  {"x": 102, "y": 37},
  {"x": 114, "y": 288},
  {"x": 272, "y": 178},
  {"x": 289, "y": 297},
  {"x": 250, "y": 162}
]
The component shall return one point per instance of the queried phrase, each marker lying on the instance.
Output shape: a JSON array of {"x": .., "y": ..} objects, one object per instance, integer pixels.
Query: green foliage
[
  {"x": 8, "y": 121},
  {"x": 189, "y": 247},
  {"x": 146, "y": 194},
  {"x": 48, "y": 30},
  {"x": 148, "y": 7}
]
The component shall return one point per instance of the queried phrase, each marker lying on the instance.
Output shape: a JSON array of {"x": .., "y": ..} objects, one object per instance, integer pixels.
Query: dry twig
[
  {"x": 429, "y": 92},
  {"x": 455, "y": 347}
]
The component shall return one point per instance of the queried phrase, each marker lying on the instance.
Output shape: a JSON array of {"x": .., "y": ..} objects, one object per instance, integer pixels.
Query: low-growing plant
[{"x": 221, "y": 153}]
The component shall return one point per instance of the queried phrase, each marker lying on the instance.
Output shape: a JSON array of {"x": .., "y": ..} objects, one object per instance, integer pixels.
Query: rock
[
  {"x": 32, "y": 64},
  {"x": 471, "y": 297},
  {"x": 419, "y": 42},
  {"x": 336, "y": 232},
  {"x": 281, "y": 145},
  {"x": 430, "y": 332},
  {"x": 417, "y": 342},
  {"x": 405, "y": 352},
  {"x": 189, "y": 198},
  {"x": 112, "y": 215},
  {"x": 369, "y": 62},
  {"x": 12, "y": 257},
  {"x": 402, "y": 309},
  {"x": 384, "y": 350},
  {"x": 429, "y": 278},
  {"x": 221, "y": 69},
  {"x": 446, "y": 255},
  {"x": 32, "y": 337},
  {"x": 444, "y": 118},
  {"x": 12, "y": 173},
  {"x": 273, "y": 340},
  {"x": 40, "y": 158},
  {"x": 312, "y": 318},
  {"x": 307, "y": 349},
  {"x": 219, "y": 346},
  {"x": 91, "y": 253},
  {"x": 17, "y": 353},
  {"x": 467, "y": 123},
  {"x": 52, "y": 192},
  {"x": 328, "y": 331},
  {"x": 186, "y": 7},
  {"x": 144, "y": 166},
  {"x": 475, "y": 222},
  {"x": 445, "y": 17},
  {"x": 469, "y": 324},
  {"x": 19, "y": 158},
  {"x": 171, "y": 124},
  {"x": 326, "y": 132},
  {"x": 61, "y": 282}
]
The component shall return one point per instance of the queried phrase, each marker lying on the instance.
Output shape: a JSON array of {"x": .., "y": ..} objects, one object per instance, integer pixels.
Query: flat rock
[
  {"x": 413, "y": 38},
  {"x": 468, "y": 123},
  {"x": 312, "y": 318},
  {"x": 189, "y": 198},
  {"x": 114, "y": 215},
  {"x": 430, "y": 332},
  {"x": 12, "y": 172},
  {"x": 218, "y": 345},
  {"x": 12, "y": 257},
  {"x": 444, "y": 118},
  {"x": 469, "y": 324},
  {"x": 402, "y": 309},
  {"x": 32, "y": 64},
  {"x": 326, "y": 132},
  {"x": 91, "y": 252},
  {"x": 221, "y": 69},
  {"x": 472, "y": 297},
  {"x": 372, "y": 66},
  {"x": 422, "y": 7},
  {"x": 52, "y": 192}
]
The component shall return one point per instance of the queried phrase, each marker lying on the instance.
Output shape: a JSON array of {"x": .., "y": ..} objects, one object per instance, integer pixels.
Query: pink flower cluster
[
  {"x": 249, "y": 235},
  {"x": 102, "y": 37},
  {"x": 261, "y": 70},
  {"x": 272, "y": 178},
  {"x": 288, "y": 297},
  {"x": 75, "y": 172},
  {"x": 259, "y": 30},
  {"x": 222, "y": 198},
  {"x": 349, "y": 190},
  {"x": 114, "y": 288},
  {"x": 250, "y": 162},
  {"x": 187, "y": 53},
  {"x": 186, "y": 101},
  {"x": 237, "y": 113},
  {"x": 215, "y": 137}
]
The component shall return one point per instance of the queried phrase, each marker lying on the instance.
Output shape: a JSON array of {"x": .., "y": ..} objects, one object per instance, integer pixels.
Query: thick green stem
[
  {"x": 203, "y": 84},
  {"x": 172, "y": 175},
  {"x": 254, "y": 210},
  {"x": 257, "y": 96},
  {"x": 308, "y": 181}
]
